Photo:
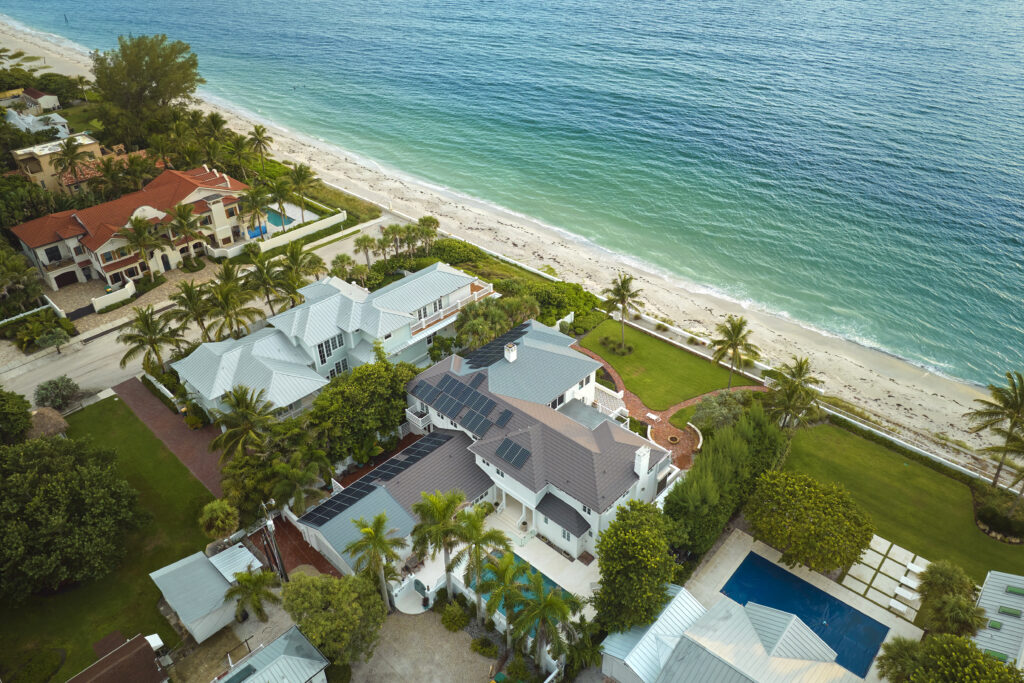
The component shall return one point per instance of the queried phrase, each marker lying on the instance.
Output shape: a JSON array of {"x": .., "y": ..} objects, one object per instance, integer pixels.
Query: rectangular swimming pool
[
  {"x": 854, "y": 636},
  {"x": 486, "y": 576}
]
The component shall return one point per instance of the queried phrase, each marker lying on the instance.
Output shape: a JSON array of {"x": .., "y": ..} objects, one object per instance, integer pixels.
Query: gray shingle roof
[
  {"x": 451, "y": 467},
  {"x": 1009, "y": 638},
  {"x": 545, "y": 365},
  {"x": 290, "y": 657},
  {"x": 192, "y": 586},
  {"x": 265, "y": 360},
  {"x": 563, "y": 514}
]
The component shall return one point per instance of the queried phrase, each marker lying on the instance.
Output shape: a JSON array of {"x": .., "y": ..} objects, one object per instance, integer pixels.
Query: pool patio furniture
[
  {"x": 908, "y": 594},
  {"x": 915, "y": 568},
  {"x": 898, "y": 606},
  {"x": 911, "y": 581},
  {"x": 653, "y": 418}
]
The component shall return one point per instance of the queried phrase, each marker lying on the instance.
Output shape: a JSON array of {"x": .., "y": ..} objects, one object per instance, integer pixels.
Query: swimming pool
[
  {"x": 274, "y": 218},
  {"x": 548, "y": 583},
  {"x": 854, "y": 636}
]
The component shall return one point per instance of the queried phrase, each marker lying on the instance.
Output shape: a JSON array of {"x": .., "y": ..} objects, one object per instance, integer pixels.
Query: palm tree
[
  {"x": 252, "y": 589},
  {"x": 215, "y": 125},
  {"x": 254, "y": 205},
  {"x": 260, "y": 142},
  {"x": 139, "y": 170},
  {"x": 229, "y": 273},
  {"x": 218, "y": 519},
  {"x": 793, "y": 393},
  {"x": 229, "y": 310},
  {"x": 185, "y": 224},
  {"x": 478, "y": 543},
  {"x": 1003, "y": 415},
  {"x": 190, "y": 306},
  {"x": 302, "y": 179},
  {"x": 245, "y": 423},
  {"x": 279, "y": 191},
  {"x": 110, "y": 181},
  {"x": 340, "y": 265},
  {"x": 428, "y": 230},
  {"x": 543, "y": 611},
  {"x": 376, "y": 548},
  {"x": 147, "y": 334},
  {"x": 733, "y": 341},
  {"x": 622, "y": 296},
  {"x": 161, "y": 148},
  {"x": 955, "y": 614},
  {"x": 504, "y": 588},
  {"x": 267, "y": 278},
  {"x": 296, "y": 479},
  {"x": 581, "y": 648},
  {"x": 365, "y": 244},
  {"x": 393, "y": 235},
  {"x": 360, "y": 272},
  {"x": 238, "y": 154},
  {"x": 298, "y": 264},
  {"x": 438, "y": 528},
  {"x": 69, "y": 158},
  {"x": 474, "y": 332},
  {"x": 143, "y": 238}
]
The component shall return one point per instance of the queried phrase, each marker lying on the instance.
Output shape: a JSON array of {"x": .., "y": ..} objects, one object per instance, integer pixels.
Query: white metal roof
[
  {"x": 289, "y": 658},
  {"x": 784, "y": 635},
  {"x": 1008, "y": 639},
  {"x": 235, "y": 560},
  {"x": 192, "y": 587}
]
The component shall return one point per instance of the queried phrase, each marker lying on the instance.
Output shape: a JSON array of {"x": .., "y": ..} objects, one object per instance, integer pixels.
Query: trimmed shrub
[
  {"x": 995, "y": 509},
  {"x": 484, "y": 646},
  {"x": 489, "y": 625},
  {"x": 518, "y": 670},
  {"x": 57, "y": 393},
  {"x": 455, "y": 251},
  {"x": 160, "y": 395},
  {"x": 147, "y": 284},
  {"x": 454, "y": 618}
]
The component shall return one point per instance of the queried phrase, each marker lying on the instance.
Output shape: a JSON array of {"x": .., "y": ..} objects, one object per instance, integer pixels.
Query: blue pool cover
[{"x": 854, "y": 636}]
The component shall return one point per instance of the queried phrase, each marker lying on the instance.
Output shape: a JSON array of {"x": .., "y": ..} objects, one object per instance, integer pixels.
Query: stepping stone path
[{"x": 877, "y": 575}]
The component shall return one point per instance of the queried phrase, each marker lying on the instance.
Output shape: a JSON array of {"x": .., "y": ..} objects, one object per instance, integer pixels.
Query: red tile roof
[
  {"x": 118, "y": 265},
  {"x": 100, "y": 222},
  {"x": 133, "y": 661},
  {"x": 34, "y": 94}
]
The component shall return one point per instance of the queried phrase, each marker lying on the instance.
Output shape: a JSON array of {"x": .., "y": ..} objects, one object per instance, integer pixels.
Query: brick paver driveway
[{"x": 192, "y": 446}]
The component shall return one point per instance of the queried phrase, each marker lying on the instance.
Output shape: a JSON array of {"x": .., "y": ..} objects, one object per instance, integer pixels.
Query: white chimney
[
  {"x": 510, "y": 352},
  {"x": 216, "y": 173},
  {"x": 642, "y": 461},
  {"x": 206, "y": 168}
]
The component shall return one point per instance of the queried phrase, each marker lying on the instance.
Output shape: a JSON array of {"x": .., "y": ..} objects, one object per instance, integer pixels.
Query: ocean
[{"x": 855, "y": 167}]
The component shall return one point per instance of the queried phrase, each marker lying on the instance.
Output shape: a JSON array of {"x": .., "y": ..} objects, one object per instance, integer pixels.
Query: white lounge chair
[
  {"x": 908, "y": 594},
  {"x": 898, "y": 606},
  {"x": 911, "y": 581},
  {"x": 916, "y": 568},
  {"x": 653, "y": 418}
]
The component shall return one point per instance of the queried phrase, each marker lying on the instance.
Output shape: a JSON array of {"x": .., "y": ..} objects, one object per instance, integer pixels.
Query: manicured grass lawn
[
  {"x": 912, "y": 505},
  {"x": 82, "y": 117},
  {"x": 170, "y": 500},
  {"x": 681, "y": 417},
  {"x": 659, "y": 373}
]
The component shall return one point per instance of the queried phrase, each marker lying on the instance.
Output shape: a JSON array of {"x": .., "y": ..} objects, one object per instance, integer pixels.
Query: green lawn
[
  {"x": 682, "y": 416},
  {"x": 82, "y": 118},
  {"x": 658, "y": 372},
  {"x": 912, "y": 505},
  {"x": 170, "y": 500}
]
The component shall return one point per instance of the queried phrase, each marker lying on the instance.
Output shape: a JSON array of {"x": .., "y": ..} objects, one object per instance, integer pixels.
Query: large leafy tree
[
  {"x": 623, "y": 296},
  {"x": 342, "y": 617},
  {"x": 439, "y": 528},
  {"x": 478, "y": 542},
  {"x": 817, "y": 525},
  {"x": 543, "y": 611},
  {"x": 15, "y": 419},
  {"x": 247, "y": 419},
  {"x": 942, "y": 658},
  {"x": 147, "y": 335},
  {"x": 636, "y": 567},
  {"x": 503, "y": 581},
  {"x": 64, "y": 511},
  {"x": 733, "y": 340},
  {"x": 1003, "y": 415},
  {"x": 251, "y": 590},
  {"x": 375, "y": 550},
  {"x": 20, "y": 284},
  {"x": 142, "y": 82}
]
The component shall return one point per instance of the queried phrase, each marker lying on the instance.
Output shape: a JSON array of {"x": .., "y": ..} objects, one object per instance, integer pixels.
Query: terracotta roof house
[
  {"x": 83, "y": 244},
  {"x": 133, "y": 661},
  {"x": 39, "y": 101}
]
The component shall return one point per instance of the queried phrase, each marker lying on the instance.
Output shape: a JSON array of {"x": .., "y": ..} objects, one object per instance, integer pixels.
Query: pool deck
[{"x": 707, "y": 583}]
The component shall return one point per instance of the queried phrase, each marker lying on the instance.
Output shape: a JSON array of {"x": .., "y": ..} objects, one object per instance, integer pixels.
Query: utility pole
[{"x": 273, "y": 542}]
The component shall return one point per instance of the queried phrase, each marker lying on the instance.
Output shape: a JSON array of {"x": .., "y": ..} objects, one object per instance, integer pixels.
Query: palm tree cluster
[
  {"x": 1002, "y": 415},
  {"x": 482, "y": 321},
  {"x": 120, "y": 175},
  {"x": 793, "y": 392}
]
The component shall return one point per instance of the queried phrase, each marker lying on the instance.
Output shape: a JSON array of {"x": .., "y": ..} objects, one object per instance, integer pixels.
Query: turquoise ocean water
[{"x": 858, "y": 167}]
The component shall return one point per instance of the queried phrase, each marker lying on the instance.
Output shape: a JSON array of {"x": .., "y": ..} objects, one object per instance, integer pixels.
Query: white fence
[
  {"x": 115, "y": 297},
  {"x": 289, "y": 236}
]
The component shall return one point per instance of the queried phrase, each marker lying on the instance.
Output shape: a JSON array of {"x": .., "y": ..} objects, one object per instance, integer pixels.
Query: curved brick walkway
[{"x": 662, "y": 429}]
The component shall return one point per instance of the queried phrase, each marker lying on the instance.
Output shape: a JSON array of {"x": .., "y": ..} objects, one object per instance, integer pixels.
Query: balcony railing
[
  {"x": 485, "y": 290},
  {"x": 416, "y": 418},
  {"x": 58, "y": 265}
]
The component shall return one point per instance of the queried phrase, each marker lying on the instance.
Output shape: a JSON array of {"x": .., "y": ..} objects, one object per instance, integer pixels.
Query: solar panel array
[
  {"x": 338, "y": 503},
  {"x": 451, "y": 397},
  {"x": 512, "y": 453},
  {"x": 488, "y": 355},
  {"x": 503, "y": 419},
  {"x": 409, "y": 457}
]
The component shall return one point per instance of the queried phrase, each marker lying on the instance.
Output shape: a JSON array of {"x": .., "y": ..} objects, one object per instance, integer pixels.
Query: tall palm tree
[
  {"x": 376, "y": 548},
  {"x": 238, "y": 153},
  {"x": 298, "y": 264},
  {"x": 162, "y": 148},
  {"x": 144, "y": 239},
  {"x": 296, "y": 479},
  {"x": 734, "y": 341},
  {"x": 302, "y": 179},
  {"x": 793, "y": 393},
  {"x": 110, "y": 181},
  {"x": 69, "y": 158},
  {"x": 439, "y": 528},
  {"x": 260, "y": 142},
  {"x": 215, "y": 125},
  {"x": 474, "y": 332},
  {"x": 543, "y": 610},
  {"x": 254, "y": 205},
  {"x": 184, "y": 223},
  {"x": 190, "y": 306},
  {"x": 229, "y": 273},
  {"x": 366, "y": 244},
  {"x": 147, "y": 334},
  {"x": 478, "y": 543},
  {"x": 503, "y": 583},
  {"x": 581, "y": 648},
  {"x": 428, "y": 230},
  {"x": 279, "y": 190},
  {"x": 246, "y": 422},
  {"x": 138, "y": 170},
  {"x": 252, "y": 589},
  {"x": 1002, "y": 414},
  {"x": 360, "y": 272},
  {"x": 267, "y": 278},
  {"x": 340, "y": 266},
  {"x": 621, "y": 295},
  {"x": 229, "y": 309}
]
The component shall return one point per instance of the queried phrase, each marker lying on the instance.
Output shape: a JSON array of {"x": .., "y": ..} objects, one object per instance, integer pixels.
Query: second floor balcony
[
  {"x": 477, "y": 290},
  {"x": 417, "y": 418}
]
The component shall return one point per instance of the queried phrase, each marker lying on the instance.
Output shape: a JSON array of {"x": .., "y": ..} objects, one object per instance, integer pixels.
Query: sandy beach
[{"x": 910, "y": 399}]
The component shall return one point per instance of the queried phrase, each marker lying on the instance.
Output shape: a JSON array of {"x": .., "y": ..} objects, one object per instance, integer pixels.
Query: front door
[{"x": 166, "y": 261}]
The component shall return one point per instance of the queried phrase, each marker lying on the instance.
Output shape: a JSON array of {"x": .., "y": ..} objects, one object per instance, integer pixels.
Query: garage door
[{"x": 68, "y": 278}]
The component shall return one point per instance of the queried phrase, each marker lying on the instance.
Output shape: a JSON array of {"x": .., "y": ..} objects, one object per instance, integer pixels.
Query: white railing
[
  {"x": 417, "y": 420},
  {"x": 451, "y": 308},
  {"x": 616, "y": 394}
]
